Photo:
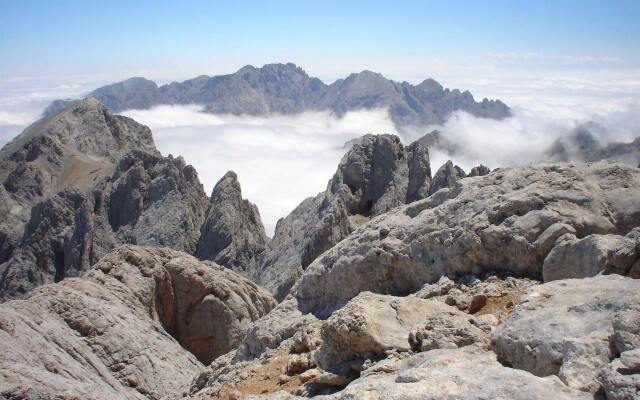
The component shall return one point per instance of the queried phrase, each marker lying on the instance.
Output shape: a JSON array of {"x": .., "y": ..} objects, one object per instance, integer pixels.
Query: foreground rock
[
  {"x": 371, "y": 324},
  {"x": 573, "y": 329},
  {"x": 232, "y": 233},
  {"x": 376, "y": 175},
  {"x": 468, "y": 373},
  {"x": 508, "y": 221},
  {"x": 138, "y": 325}
]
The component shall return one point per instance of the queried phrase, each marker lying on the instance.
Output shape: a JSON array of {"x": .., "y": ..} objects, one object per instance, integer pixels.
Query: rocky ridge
[
  {"x": 78, "y": 184},
  {"x": 287, "y": 89},
  {"x": 377, "y": 174}
]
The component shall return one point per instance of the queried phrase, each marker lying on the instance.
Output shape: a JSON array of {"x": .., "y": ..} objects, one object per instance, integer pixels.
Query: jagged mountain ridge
[{"x": 287, "y": 89}]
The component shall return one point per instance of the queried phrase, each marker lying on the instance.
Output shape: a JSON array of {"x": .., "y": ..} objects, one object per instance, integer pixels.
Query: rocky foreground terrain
[{"x": 121, "y": 279}]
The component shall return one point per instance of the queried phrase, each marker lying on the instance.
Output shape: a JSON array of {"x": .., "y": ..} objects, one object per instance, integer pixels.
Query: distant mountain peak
[{"x": 279, "y": 88}]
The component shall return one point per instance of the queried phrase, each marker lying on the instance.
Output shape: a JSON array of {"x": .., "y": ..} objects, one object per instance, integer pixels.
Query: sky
[{"x": 556, "y": 63}]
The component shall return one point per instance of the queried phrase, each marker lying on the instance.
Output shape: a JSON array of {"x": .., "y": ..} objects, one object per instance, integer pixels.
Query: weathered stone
[
  {"x": 467, "y": 373},
  {"x": 232, "y": 234},
  {"x": 591, "y": 255},
  {"x": 507, "y": 222},
  {"x": 117, "y": 332},
  {"x": 106, "y": 184},
  {"x": 371, "y": 324},
  {"x": 446, "y": 177},
  {"x": 566, "y": 328},
  {"x": 376, "y": 175}
]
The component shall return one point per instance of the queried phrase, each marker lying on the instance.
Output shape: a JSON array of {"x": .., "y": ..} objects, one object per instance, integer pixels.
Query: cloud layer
[{"x": 280, "y": 160}]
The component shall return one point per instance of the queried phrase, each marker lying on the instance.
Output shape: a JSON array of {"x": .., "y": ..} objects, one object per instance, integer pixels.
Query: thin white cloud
[{"x": 280, "y": 160}]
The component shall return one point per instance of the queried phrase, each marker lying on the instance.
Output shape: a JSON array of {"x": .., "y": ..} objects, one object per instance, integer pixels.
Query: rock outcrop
[
  {"x": 81, "y": 182},
  {"x": 572, "y": 328},
  {"x": 376, "y": 175},
  {"x": 232, "y": 234},
  {"x": 372, "y": 324},
  {"x": 468, "y": 373},
  {"x": 506, "y": 221},
  {"x": 446, "y": 177},
  {"x": 287, "y": 89},
  {"x": 137, "y": 326}
]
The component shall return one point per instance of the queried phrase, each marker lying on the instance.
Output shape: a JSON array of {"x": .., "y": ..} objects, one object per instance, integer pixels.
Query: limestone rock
[
  {"x": 621, "y": 382},
  {"x": 232, "y": 234},
  {"x": 446, "y": 177},
  {"x": 467, "y": 373},
  {"x": 506, "y": 222},
  {"x": 480, "y": 170},
  {"x": 567, "y": 328},
  {"x": 371, "y": 324},
  {"x": 71, "y": 149},
  {"x": 117, "y": 332},
  {"x": 591, "y": 255},
  {"x": 147, "y": 200},
  {"x": 490, "y": 296},
  {"x": 287, "y": 89},
  {"x": 79, "y": 183},
  {"x": 376, "y": 175}
]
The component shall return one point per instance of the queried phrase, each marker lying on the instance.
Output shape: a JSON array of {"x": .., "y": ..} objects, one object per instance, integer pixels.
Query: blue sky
[{"x": 178, "y": 39}]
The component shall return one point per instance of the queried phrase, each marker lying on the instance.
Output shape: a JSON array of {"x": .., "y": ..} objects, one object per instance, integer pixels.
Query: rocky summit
[
  {"x": 121, "y": 279},
  {"x": 287, "y": 89}
]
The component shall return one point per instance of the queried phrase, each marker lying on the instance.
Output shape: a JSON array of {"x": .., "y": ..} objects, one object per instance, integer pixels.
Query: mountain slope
[
  {"x": 79, "y": 183},
  {"x": 287, "y": 89}
]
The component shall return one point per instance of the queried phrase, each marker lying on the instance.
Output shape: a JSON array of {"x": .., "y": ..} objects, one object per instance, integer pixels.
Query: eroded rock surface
[
  {"x": 79, "y": 184},
  {"x": 467, "y": 373},
  {"x": 232, "y": 233},
  {"x": 134, "y": 327},
  {"x": 507, "y": 221},
  {"x": 376, "y": 175},
  {"x": 572, "y": 328}
]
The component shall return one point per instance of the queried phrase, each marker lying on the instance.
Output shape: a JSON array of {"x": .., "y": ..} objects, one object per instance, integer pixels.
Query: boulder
[
  {"x": 372, "y": 324},
  {"x": 593, "y": 254},
  {"x": 467, "y": 373},
  {"x": 571, "y": 328}
]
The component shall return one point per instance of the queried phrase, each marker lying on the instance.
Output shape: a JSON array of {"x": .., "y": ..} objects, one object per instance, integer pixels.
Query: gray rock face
[
  {"x": 81, "y": 182},
  {"x": 232, "y": 234},
  {"x": 594, "y": 254},
  {"x": 467, "y": 373},
  {"x": 446, "y": 177},
  {"x": 569, "y": 328},
  {"x": 72, "y": 149},
  {"x": 480, "y": 170},
  {"x": 117, "y": 332},
  {"x": 507, "y": 221},
  {"x": 376, "y": 175},
  {"x": 371, "y": 324},
  {"x": 287, "y": 89}
]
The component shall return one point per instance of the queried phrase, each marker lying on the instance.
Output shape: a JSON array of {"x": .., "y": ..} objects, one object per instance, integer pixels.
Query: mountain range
[{"x": 287, "y": 89}]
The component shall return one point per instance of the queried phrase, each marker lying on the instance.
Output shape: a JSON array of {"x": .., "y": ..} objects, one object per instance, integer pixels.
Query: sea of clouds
[{"x": 281, "y": 160}]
